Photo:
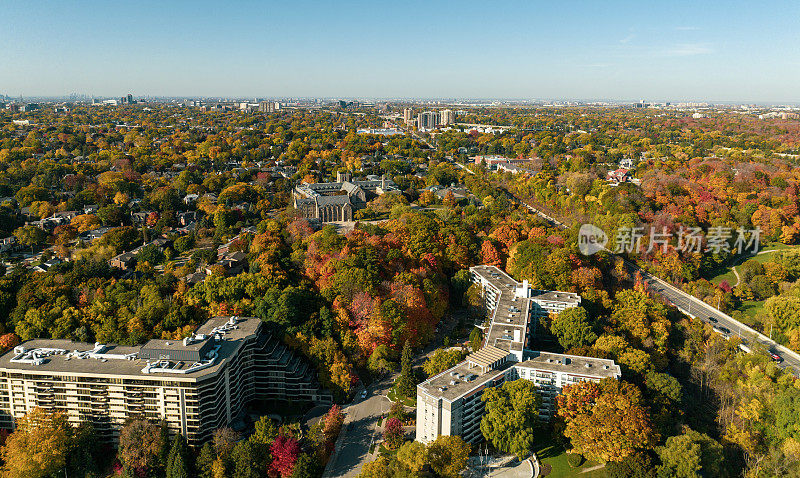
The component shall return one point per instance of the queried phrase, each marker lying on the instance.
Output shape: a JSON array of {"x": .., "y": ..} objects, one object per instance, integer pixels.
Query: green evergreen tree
[
  {"x": 306, "y": 467},
  {"x": 82, "y": 460},
  {"x": 205, "y": 461},
  {"x": 405, "y": 382},
  {"x": 249, "y": 460},
  {"x": 178, "y": 461},
  {"x": 475, "y": 339},
  {"x": 163, "y": 453}
]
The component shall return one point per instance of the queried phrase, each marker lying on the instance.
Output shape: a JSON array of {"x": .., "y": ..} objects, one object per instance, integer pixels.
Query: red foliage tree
[
  {"x": 299, "y": 229},
  {"x": 7, "y": 341},
  {"x": 152, "y": 219},
  {"x": 393, "y": 433},
  {"x": 285, "y": 451},
  {"x": 490, "y": 255},
  {"x": 332, "y": 426}
]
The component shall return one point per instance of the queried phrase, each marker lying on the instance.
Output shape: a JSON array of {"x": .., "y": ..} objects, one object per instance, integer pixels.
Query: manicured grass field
[
  {"x": 726, "y": 273},
  {"x": 555, "y": 458},
  {"x": 752, "y": 307},
  {"x": 409, "y": 402}
]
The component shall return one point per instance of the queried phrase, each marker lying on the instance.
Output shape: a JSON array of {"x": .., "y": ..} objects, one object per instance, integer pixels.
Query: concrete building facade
[
  {"x": 450, "y": 403},
  {"x": 447, "y": 117},
  {"x": 407, "y": 117},
  {"x": 196, "y": 385},
  {"x": 514, "y": 308},
  {"x": 427, "y": 120}
]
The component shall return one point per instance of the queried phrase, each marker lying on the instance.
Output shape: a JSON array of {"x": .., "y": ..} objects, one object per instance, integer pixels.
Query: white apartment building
[
  {"x": 515, "y": 308},
  {"x": 450, "y": 403},
  {"x": 427, "y": 120},
  {"x": 196, "y": 385},
  {"x": 407, "y": 117},
  {"x": 268, "y": 106}
]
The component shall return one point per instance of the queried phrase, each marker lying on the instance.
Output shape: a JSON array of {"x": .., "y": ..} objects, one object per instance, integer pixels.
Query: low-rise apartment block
[
  {"x": 450, "y": 403},
  {"x": 515, "y": 308},
  {"x": 195, "y": 385}
]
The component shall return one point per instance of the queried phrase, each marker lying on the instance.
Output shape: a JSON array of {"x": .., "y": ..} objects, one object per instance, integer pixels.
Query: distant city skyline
[{"x": 738, "y": 52}]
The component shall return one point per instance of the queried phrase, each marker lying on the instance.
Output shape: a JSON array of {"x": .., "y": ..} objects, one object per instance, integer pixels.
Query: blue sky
[{"x": 717, "y": 51}]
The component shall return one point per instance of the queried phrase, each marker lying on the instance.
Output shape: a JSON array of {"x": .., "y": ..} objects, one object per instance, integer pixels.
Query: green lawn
[
  {"x": 749, "y": 308},
  {"x": 752, "y": 307},
  {"x": 554, "y": 457},
  {"x": 409, "y": 402},
  {"x": 726, "y": 273}
]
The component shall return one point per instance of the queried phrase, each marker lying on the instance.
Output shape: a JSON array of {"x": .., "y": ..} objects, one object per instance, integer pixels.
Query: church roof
[{"x": 333, "y": 200}]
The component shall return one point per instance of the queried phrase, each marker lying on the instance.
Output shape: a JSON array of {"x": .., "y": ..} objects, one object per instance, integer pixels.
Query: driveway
[{"x": 360, "y": 427}]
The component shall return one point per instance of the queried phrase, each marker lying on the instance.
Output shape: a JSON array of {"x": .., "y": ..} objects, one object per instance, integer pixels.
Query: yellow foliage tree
[{"x": 39, "y": 446}]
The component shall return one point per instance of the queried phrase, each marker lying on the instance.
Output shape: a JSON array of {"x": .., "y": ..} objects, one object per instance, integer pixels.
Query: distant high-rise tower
[
  {"x": 268, "y": 106},
  {"x": 407, "y": 118},
  {"x": 428, "y": 120},
  {"x": 130, "y": 99},
  {"x": 447, "y": 117}
]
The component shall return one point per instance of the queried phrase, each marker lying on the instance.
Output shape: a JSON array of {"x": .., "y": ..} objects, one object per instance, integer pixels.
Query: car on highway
[
  {"x": 722, "y": 330},
  {"x": 775, "y": 357},
  {"x": 713, "y": 320}
]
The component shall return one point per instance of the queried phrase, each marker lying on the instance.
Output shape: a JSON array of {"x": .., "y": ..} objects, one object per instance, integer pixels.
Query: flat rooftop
[
  {"x": 459, "y": 380},
  {"x": 59, "y": 356},
  {"x": 556, "y": 296},
  {"x": 466, "y": 378},
  {"x": 508, "y": 333},
  {"x": 496, "y": 276},
  {"x": 509, "y": 323},
  {"x": 572, "y": 364},
  {"x": 509, "y": 320}
]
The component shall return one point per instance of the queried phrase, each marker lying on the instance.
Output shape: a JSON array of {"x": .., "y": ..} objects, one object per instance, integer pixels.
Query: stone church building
[{"x": 329, "y": 202}]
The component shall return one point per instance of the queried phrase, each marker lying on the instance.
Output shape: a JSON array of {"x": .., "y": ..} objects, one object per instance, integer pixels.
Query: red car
[{"x": 777, "y": 358}]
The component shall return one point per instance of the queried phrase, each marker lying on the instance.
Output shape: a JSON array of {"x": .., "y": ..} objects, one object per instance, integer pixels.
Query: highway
[{"x": 697, "y": 309}]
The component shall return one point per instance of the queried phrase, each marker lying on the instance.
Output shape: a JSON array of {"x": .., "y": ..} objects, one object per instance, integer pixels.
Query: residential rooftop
[
  {"x": 510, "y": 319},
  {"x": 200, "y": 355},
  {"x": 572, "y": 364},
  {"x": 460, "y": 380},
  {"x": 470, "y": 375}
]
